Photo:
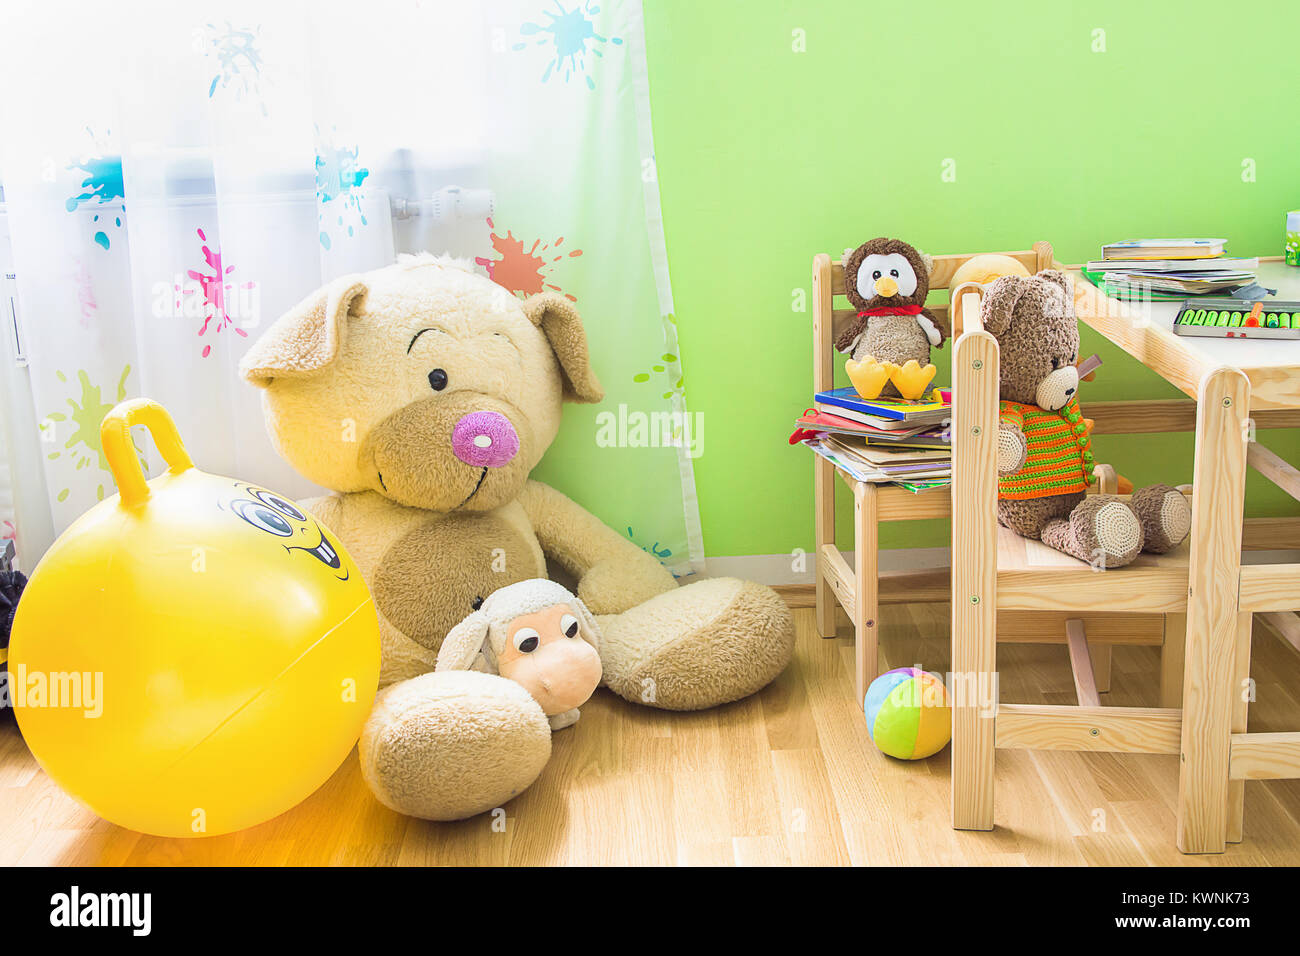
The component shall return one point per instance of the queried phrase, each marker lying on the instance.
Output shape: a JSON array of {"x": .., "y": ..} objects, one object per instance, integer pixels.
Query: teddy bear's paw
[
  {"x": 912, "y": 378},
  {"x": 1013, "y": 449},
  {"x": 704, "y": 644},
  {"x": 453, "y": 744},
  {"x": 869, "y": 377},
  {"x": 1166, "y": 517},
  {"x": 1105, "y": 531},
  {"x": 613, "y": 586}
]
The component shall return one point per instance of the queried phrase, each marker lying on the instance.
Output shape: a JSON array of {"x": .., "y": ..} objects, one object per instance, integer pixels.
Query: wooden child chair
[{"x": 861, "y": 588}]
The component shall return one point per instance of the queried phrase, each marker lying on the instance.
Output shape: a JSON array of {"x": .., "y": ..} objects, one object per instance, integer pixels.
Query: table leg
[
  {"x": 1210, "y": 666},
  {"x": 1241, "y": 697}
]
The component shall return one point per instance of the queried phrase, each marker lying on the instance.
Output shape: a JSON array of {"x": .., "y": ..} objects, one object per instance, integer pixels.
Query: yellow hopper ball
[{"x": 194, "y": 655}]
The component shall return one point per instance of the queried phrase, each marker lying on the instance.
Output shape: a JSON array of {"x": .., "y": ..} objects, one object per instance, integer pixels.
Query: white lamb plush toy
[{"x": 536, "y": 634}]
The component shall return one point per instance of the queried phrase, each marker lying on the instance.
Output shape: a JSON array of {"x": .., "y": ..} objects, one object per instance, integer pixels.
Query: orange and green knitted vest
[{"x": 1059, "y": 443}]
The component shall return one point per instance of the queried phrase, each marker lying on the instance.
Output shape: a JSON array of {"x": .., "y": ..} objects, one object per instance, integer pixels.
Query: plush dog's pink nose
[{"x": 484, "y": 440}]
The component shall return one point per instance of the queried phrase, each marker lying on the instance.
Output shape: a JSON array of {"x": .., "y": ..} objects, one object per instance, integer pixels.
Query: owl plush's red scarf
[{"x": 890, "y": 310}]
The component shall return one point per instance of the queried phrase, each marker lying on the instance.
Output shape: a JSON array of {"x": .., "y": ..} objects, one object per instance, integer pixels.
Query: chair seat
[{"x": 1032, "y": 576}]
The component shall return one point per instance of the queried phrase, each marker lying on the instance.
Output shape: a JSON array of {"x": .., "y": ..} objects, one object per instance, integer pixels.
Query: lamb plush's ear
[
  {"x": 562, "y": 325},
  {"x": 463, "y": 643},
  {"x": 927, "y": 261},
  {"x": 999, "y": 302},
  {"x": 587, "y": 623},
  {"x": 306, "y": 338}
]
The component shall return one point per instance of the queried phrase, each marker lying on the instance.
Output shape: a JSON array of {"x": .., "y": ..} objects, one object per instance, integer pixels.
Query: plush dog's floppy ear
[
  {"x": 562, "y": 325},
  {"x": 586, "y": 622},
  {"x": 463, "y": 644},
  {"x": 1000, "y": 301},
  {"x": 306, "y": 338}
]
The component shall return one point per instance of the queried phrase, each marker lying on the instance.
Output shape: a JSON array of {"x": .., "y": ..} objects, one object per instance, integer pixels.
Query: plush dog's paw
[
  {"x": 869, "y": 377},
  {"x": 704, "y": 644},
  {"x": 611, "y": 587},
  {"x": 911, "y": 378},
  {"x": 453, "y": 744}
]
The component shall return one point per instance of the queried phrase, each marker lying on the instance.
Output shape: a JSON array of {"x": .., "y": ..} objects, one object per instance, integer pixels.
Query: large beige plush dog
[{"x": 423, "y": 395}]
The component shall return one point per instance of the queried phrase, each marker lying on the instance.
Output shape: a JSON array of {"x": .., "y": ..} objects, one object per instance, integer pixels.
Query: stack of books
[
  {"x": 1169, "y": 269},
  {"x": 908, "y": 443}
]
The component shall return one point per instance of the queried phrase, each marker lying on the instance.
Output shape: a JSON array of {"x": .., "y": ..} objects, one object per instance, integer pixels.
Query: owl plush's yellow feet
[
  {"x": 910, "y": 378},
  {"x": 869, "y": 377}
]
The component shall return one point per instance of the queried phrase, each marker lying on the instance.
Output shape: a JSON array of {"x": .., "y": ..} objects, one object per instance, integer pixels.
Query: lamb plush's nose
[{"x": 484, "y": 440}]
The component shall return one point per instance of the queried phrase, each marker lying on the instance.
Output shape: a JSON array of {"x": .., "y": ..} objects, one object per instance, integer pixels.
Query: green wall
[{"x": 767, "y": 156}]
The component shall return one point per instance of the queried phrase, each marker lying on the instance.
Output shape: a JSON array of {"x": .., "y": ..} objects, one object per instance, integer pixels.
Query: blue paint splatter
[
  {"x": 338, "y": 185},
  {"x": 239, "y": 61},
  {"x": 103, "y": 184},
  {"x": 573, "y": 35}
]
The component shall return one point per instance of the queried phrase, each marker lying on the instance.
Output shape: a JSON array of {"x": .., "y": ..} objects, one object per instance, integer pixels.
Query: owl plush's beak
[{"x": 886, "y": 286}]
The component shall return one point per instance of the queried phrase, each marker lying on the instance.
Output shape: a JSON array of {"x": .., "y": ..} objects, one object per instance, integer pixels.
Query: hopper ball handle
[{"x": 115, "y": 438}]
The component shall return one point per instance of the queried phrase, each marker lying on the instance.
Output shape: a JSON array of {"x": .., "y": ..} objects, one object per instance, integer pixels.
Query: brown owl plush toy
[{"x": 889, "y": 342}]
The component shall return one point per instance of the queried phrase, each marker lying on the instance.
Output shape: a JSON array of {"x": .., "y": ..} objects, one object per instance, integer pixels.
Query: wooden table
[{"x": 1238, "y": 386}]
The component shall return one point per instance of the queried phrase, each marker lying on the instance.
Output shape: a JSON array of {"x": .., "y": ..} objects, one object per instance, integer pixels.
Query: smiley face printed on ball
[{"x": 275, "y": 515}]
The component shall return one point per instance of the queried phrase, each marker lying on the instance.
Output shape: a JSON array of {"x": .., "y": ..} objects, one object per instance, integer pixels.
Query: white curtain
[{"x": 176, "y": 174}]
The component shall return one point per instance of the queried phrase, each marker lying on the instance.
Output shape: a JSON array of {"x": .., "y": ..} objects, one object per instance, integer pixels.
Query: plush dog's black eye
[{"x": 438, "y": 379}]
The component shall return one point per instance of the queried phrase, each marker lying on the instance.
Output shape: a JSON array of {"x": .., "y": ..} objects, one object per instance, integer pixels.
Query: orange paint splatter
[{"x": 523, "y": 272}]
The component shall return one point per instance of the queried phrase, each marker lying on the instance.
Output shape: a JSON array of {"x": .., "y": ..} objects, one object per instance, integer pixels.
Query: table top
[{"x": 1145, "y": 331}]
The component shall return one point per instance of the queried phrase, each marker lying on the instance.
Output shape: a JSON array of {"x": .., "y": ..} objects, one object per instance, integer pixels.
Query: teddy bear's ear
[
  {"x": 306, "y": 338},
  {"x": 562, "y": 325},
  {"x": 586, "y": 623},
  {"x": 463, "y": 643},
  {"x": 1058, "y": 278},
  {"x": 999, "y": 302}
]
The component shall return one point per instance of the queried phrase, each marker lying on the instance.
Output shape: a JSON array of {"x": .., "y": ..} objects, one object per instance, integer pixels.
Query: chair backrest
[{"x": 828, "y": 283}]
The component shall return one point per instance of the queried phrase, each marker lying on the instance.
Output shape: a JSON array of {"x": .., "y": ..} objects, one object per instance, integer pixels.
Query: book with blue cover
[{"x": 884, "y": 412}]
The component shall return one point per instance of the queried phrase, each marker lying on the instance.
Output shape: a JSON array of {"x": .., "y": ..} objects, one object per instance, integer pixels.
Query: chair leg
[
  {"x": 1240, "y": 711},
  {"x": 1101, "y": 666},
  {"x": 1171, "y": 661},
  {"x": 866, "y": 586},
  {"x": 824, "y": 533}
]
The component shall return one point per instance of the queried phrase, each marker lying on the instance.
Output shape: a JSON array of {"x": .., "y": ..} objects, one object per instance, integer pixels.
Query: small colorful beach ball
[{"x": 909, "y": 713}]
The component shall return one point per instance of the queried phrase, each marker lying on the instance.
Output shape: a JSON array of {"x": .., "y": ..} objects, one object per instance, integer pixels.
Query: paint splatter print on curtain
[{"x": 188, "y": 174}]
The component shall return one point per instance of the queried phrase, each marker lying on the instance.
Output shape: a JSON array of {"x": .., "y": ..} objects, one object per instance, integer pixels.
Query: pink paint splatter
[
  {"x": 215, "y": 288},
  {"x": 86, "y": 301},
  {"x": 524, "y": 272}
]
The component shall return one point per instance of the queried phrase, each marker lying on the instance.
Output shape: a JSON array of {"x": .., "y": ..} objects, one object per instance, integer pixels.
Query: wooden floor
[{"x": 788, "y": 776}]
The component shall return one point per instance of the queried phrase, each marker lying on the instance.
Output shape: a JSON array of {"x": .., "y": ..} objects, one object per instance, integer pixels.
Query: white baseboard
[
  {"x": 777, "y": 569},
  {"x": 774, "y": 569}
]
